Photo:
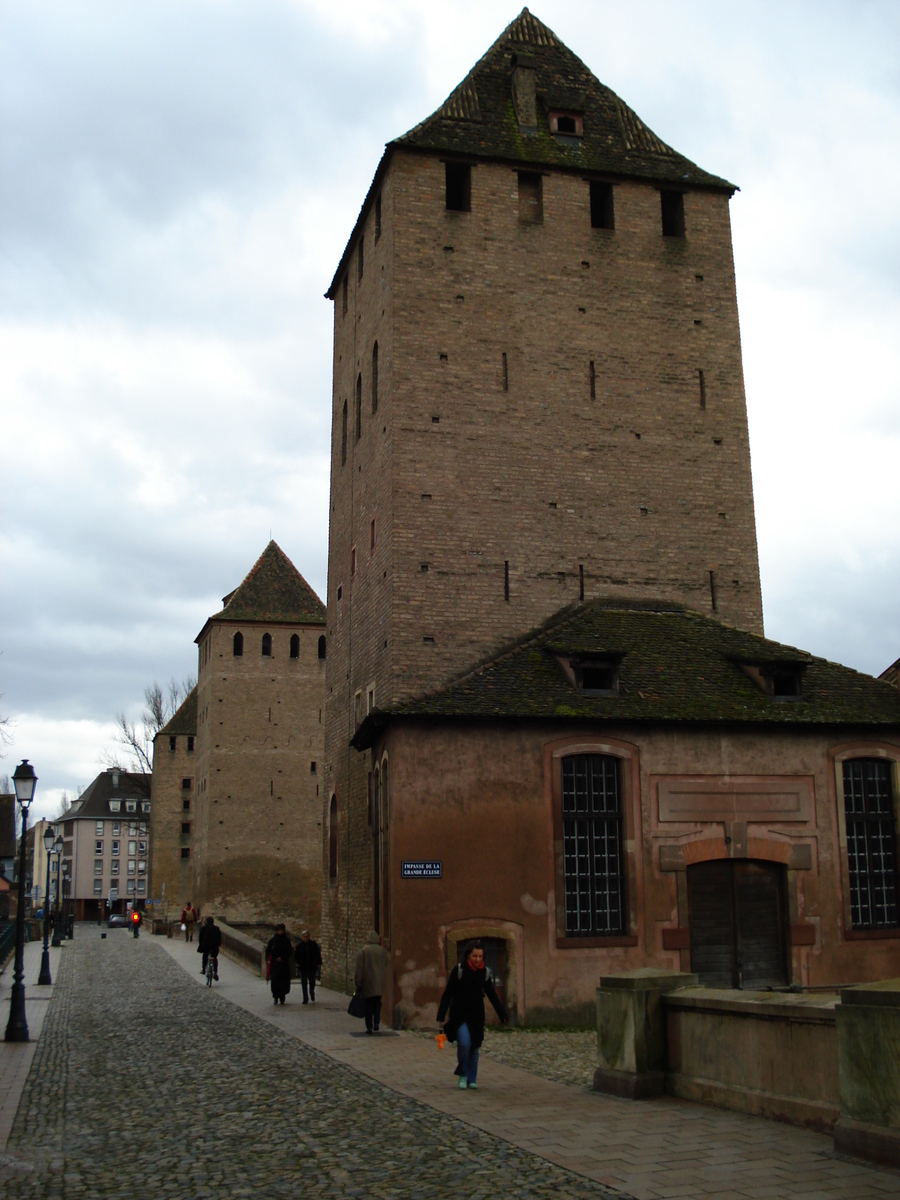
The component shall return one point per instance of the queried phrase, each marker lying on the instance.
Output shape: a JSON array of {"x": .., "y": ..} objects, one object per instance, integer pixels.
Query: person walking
[
  {"x": 464, "y": 995},
  {"x": 208, "y": 942},
  {"x": 278, "y": 955},
  {"x": 187, "y": 920},
  {"x": 371, "y": 977},
  {"x": 309, "y": 959}
]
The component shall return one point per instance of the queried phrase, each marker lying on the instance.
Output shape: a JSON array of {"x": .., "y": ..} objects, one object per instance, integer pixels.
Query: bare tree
[
  {"x": 135, "y": 738},
  {"x": 65, "y": 803}
]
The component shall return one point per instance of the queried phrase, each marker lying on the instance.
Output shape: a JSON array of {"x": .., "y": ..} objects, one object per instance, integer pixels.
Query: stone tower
[
  {"x": 251, "y": 804},
  {"x": 538, "y": 399}
]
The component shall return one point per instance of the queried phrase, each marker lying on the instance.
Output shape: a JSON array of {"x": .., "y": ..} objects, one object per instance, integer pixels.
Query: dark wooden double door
[{"x": 737, "y": 916}]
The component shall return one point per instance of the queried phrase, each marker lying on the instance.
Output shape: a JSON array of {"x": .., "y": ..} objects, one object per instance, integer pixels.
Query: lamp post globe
[
  {"x": 44, "y": 979},
  {"x": 57, "y": 850},
  {"x": 24, "y": 781}
]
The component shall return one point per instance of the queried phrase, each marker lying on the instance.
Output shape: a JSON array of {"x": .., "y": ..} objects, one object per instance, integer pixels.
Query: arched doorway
[{"x": 737, "y": 918}]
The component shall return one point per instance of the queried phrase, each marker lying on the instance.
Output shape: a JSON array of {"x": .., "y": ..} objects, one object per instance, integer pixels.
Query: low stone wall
[
  {"x": 771, "y": 1054},
  {"x": 244, "y": 949},
  {"x": 868, "y": 1034}
]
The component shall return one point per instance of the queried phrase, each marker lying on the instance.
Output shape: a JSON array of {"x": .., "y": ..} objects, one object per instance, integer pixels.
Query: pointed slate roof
[
  {"x": 274, "y": 590},
  {"x": 479, "y": 118},
  {"x": 184, "y": 720},
  {"x": 675, "y": 665}
]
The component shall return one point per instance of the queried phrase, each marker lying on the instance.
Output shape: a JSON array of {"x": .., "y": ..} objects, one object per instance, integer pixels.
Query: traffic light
[{"x": 135, "y": 921}]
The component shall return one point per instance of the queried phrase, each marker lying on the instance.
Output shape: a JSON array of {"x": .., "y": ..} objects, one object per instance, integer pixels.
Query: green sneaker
[
  {"x": 462, "y": 1084},
  {"x": 473, "y": 1085}
]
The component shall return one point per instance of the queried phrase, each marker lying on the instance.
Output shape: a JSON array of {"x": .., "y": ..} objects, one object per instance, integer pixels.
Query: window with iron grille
[
  {"x": 592, "y": 845},
  {"x": 871, "y": 843}
]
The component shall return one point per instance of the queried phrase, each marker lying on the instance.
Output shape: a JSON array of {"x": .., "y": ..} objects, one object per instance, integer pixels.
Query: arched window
[
  {"x": 238, "y": 645},
  {"x": 332, "y": 839},
  {"x": 344, "y": 434},
  {"x": 267, "y": 645},
  {"x": 322, "y": 646},
  {"x": 375, "y": 378},
  {"x": 295, "y": 645},
  {"x": 358, "y": 407}
]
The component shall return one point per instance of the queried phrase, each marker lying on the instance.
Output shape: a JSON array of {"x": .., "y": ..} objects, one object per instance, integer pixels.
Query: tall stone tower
[{"x": 538, "y": 399}]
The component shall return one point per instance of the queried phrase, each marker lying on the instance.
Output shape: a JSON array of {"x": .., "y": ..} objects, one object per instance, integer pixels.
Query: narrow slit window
[
  {"x": 375, "y": 378},
  {"x": 672, "y": 214},
  {"x": 267, "y": 645},
  {"x": 531, "y": 198},
  {"x": 458, "y": 187},
  {"x": 372, "y": 535},
  {"x": 602, "y": 212},
  {"x": 238, "y": 645},
  {"x": 712, "y": 590},
  {"x": 592, "y": 376},
  {"x": 378, "y": 216},
  {"x": 506, "y": 580},
  {"x": 345, "y": 287},
  {"x": 332, "y": 839},
  {"x": 295, "y": 645},
  {"x": 358, "y": 407},
  {"x": 322, "y": 646},
  {"x": 505, "y": 372},
  {"x": 344, "y": 434},
  {"x": 702, "y": 380}
]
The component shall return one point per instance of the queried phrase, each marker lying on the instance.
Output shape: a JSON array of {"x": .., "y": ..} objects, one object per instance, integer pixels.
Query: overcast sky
[{"x": 178, "y": 180}]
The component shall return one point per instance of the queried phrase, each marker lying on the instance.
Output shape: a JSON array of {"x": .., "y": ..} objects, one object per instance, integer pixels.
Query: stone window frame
[
  {"x": 838, "y": 756},
  {"x": 632, "y": 848}
]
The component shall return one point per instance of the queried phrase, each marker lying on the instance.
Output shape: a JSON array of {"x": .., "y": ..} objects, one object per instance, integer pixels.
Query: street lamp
[
  {"x": 68, "y": 932},
  {"x": 57, "y": 850},
  {"x": 44, "y": 977},
  {"x": 25, "y": 781}
]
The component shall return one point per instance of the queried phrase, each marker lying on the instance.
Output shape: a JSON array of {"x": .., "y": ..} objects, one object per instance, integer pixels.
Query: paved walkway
[
  {"x": 146, "y": 1083},
  {"x": 15, "y": 1057},
  {"x": 648, "y": 1150}
]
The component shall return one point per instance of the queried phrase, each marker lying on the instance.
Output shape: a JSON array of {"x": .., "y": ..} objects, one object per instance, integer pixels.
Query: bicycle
[{"x": 211, "y": 971}]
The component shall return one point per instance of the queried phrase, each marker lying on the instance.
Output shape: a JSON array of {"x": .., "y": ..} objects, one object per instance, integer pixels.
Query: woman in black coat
[
  {"x": 464, "y": 996},
  {"x": 278, "y": 952}
]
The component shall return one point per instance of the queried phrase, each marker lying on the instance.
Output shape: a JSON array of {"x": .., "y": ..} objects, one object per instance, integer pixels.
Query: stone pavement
[
  {"x": 15, "y": 1058},
  {"x": 145, "y": 1083},
  {"x": 648, "y": 1150}
]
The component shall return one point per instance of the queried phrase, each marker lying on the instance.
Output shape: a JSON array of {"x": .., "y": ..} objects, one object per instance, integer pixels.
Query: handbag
[
  {"x": 183, "y": 927},
  {"x": 357, "y": 1006}
]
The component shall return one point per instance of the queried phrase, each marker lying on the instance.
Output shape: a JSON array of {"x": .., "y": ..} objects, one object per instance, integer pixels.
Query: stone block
[
  {"x": 631, "y": 1045},
  {"x": 868, "y": 1032}
]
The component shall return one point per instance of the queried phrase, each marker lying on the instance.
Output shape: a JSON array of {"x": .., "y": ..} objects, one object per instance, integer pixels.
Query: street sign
[{"x": 421, "y": 870}]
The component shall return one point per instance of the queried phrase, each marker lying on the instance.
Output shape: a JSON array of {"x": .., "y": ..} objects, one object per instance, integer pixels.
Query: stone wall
[
  {"x": 260, "y": 749},
  {"x": 171, "y": 875},
  {"x": 501, "y": 493}
]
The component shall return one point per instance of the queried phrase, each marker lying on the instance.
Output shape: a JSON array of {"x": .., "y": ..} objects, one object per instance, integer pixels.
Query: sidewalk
[
  {"x": 15, "y": 1057},
  {"x": 649, "y": 1150}
]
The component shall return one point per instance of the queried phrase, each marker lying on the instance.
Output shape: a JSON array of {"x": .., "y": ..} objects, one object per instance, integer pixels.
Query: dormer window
[
  {"x": 780, "y": 680},
  {"x": 599, "y": 678},
  {"x": 569, "y": 124},
  {"x": 115, "y": 806}
]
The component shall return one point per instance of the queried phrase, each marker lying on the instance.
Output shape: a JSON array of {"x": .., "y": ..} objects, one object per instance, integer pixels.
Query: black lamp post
[
  {"x": 44, "y": 979},
  {"x": 68, "y": 932},
  {"x": 25, "y": 781},
  {"x": 57, "y": 850}
]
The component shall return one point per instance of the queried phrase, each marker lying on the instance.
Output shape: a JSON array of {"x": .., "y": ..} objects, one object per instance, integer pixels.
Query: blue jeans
[{"x": 466, "y": 1054}]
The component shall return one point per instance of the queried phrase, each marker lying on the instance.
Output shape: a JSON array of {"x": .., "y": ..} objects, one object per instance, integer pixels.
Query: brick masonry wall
[
  {"x": 260, "y": 729},
  {"x": 171, "y": 876},
  {"x": 639, "y": 491}
]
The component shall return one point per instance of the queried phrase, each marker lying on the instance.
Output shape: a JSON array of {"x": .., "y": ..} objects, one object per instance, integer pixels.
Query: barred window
[
  {"x": 592, "y": 845},
  {"x": 871, "y": 843}
]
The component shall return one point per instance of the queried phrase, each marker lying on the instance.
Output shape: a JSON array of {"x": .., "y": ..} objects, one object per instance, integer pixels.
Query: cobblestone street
[{"x": 145, "y": 1084}]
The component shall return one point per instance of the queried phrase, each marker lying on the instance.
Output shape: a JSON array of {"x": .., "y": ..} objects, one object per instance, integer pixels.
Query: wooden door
[{"x": 737, "y": 923}]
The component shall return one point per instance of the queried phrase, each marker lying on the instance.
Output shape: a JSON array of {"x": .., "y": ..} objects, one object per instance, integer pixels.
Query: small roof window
[
  {"x": 780, "y": 680},
  {"x": 115, "y": 806},
  {"x": 566, "y": 124},
  {"x": 597, "y": 675}
]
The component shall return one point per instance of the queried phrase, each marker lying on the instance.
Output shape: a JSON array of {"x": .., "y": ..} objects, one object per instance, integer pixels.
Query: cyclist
[{"x": 208, "y": 945}]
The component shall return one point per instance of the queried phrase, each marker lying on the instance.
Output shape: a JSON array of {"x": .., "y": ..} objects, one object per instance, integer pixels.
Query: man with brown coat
[{"x": 371, "y": 978}]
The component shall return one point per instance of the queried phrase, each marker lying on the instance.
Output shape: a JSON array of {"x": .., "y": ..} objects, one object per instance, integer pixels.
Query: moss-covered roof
[
  {"x": 479, "y": 117},
  {"x": 183, "y": 721},
  {"x": 674, "y": 665},
  {"x": 478, "y": 120},
  {"x": 274, "y": 590}
]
